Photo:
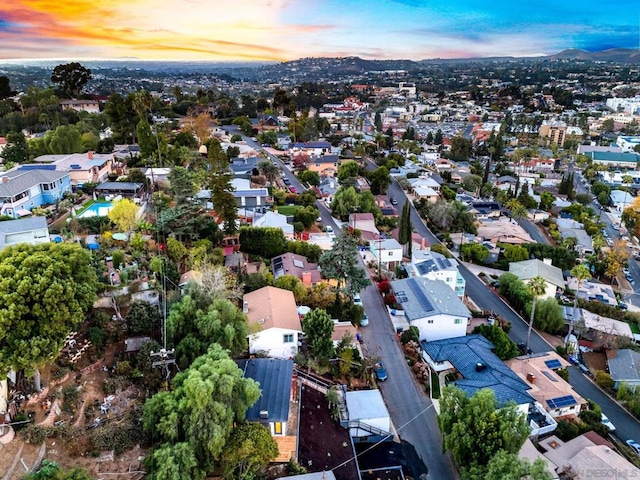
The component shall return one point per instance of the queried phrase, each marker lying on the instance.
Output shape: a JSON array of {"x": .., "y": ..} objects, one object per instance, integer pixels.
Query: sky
[{"x": 290, "y": 29}]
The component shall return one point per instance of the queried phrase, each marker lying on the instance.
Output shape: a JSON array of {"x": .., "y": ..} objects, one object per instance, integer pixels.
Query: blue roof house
[{"x": 21, "y": 190}]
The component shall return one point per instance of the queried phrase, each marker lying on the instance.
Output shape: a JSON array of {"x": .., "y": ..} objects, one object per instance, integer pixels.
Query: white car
[
  {"x": 607, "y": 423},
  {"x": 329, "y": 230},
  {"x": 635, "y": 446},
  {"x": 356, "y": 299}
]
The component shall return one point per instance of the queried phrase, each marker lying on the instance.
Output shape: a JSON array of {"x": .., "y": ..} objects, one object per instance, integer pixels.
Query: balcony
[{"x": 539, "y": 420}]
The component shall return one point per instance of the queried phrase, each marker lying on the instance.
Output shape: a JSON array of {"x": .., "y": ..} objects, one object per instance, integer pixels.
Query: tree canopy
[
  {"x": 191, "y": 423},
  {"x": 318, "y": 327},
  {"x": 72, "y": 77},
  {"x": 45, "y": 291},
  {"x": 341, "y": 264},
  {"x": 248, "y": 451}
]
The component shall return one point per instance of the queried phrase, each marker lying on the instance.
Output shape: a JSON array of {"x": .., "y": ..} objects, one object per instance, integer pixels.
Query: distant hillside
[{"x": 617, "y": 55}]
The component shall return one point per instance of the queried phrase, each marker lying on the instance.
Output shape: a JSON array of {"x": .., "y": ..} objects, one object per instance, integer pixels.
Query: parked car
[
  {"x": 623, "y": 306},
  {"x": 607, "y": 423},
  {"x": 329, "y": 230},
  {"x": 286, "y": 181},
  {"x": 381, "y": 373},
  {"x": 523, "y": 349},
  {"x": 293, "y": 189},
  {"x": 633, "y": 445},
  {"x": 357, "y": 300},
  {"x": 394, "y": 201},
  {"x": 364, "y": 321},
  {"x": 584, "y": 369}
]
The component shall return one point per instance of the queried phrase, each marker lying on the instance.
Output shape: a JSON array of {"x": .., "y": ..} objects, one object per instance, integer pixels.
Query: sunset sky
[{"x": 290, "y": 29}]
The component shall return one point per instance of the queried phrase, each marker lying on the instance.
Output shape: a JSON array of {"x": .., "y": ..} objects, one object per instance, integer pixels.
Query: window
[
  {"x": 287, "y": 338},
  {"x": 457, "y": 321},
  {"x": 277, "y": 428},
  {"x": 391, "y": 254},
  {"x": 429, "y": 321},
  {"x": 45, "y": 186}
]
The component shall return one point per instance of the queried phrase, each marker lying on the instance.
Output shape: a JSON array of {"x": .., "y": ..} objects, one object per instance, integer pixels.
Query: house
[
  {"x": 83, "y": 168},
  {"x": 124, "y": 189},
  {"x": 471, "y": 364},
  {"x": 387, "y": 252},
  {"x": 369, "y": 419},
  {"x": 265, "y": 123},
  {"x": 484, "y": 210},
  {"x": 276, "y": 408},
  {"x": 432, "y": 306},
  {"x": 325, "y": 165},
  {"x": 91, "y": 106},
  {"x": 621, "y": 199},
  {"x": 591, "y": 290},
  {"x": 435, "y": 266},
  {"x": 297, "y": 266},
  {"x": 366, "y": 223},
  {"x": 586, "y": 456},
  {"x": 529, "y": 269},
  {"x": 274, "y": 313},
  {"x": 283, "y": 141},
  {"x": 503, "y": 230},
  {"x": 275, "y": 220},
  {"x": 22, "y": 190},
  {"x": 32, "y": 230},
  {"x": 506, "y": 182},
  {"x": 624, "y": 367},
  {"x": 190, "y": 276},
  {"x": 547, "y": 387},
  {"x": 244, "y": 167},
  {"x": 537, "y": 216},
  {"x": 599, "y": 329},
  {"x": 317, "y": 148}
]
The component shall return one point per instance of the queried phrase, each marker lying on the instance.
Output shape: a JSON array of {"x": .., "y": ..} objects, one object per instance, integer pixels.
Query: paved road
[{"x": 534, "y": 231}]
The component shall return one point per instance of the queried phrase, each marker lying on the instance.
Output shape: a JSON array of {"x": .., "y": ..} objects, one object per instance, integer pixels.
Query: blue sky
[{"x": 289, "y": 29}]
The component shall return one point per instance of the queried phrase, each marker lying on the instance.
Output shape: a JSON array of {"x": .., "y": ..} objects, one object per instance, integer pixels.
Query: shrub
[
  {"x": 410, "y": 335},
  {"x": 604, "y": 380},
  {"x": 37, "y": 434},
  {"x": 69, "y": 398}
]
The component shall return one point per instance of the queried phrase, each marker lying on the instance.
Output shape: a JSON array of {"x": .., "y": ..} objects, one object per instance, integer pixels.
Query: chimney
[
  {"x": 546, "y": 261},
  {"x": 306, "y": 278},
  {"x": 245, "y": 307},
  {"x": 5, "y": 179},
  {"x": 264, "y": 414},
  {"x": 90, "y": 155},
  {"x": 423, "y": 244},
  {"x": 531, "y": 378}
]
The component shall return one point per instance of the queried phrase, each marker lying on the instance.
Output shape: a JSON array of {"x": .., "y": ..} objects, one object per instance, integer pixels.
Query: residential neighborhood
[{"x": 360, "y": 275}]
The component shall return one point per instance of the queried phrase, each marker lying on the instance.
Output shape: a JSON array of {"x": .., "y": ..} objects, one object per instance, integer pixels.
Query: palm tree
[
  {"x": 536, "y": 286},
  {"x": 516, "y": 209},
  {"x": 581, "y": 273}
]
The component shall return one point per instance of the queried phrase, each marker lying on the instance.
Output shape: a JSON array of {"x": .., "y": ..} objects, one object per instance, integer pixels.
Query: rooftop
[
  {"x": 274, "y": 376},
  {"x": 421, "y": 297},
  {"x": 624, "y": 365},
  {"x": 528, "y": 269},
  {"x": 272, "y": 307}
]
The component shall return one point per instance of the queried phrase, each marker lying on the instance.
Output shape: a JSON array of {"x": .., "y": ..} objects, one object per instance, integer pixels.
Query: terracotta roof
[{"x": 272, "y": 307}]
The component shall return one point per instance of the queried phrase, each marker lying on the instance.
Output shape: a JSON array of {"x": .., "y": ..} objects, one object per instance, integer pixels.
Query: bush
[
  {"x": 69, "y": 398},
  {"x": 411, "y": 335},
  {"x": 37, "y": 434},
  {"x": 563, "y": 373},
  {"x": 441, "y": 249},
  {"x": 117, "y": 436},
  {"x": 604, "y": 380}
]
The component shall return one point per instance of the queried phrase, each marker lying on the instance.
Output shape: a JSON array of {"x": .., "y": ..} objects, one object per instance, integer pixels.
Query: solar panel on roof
[
  {"x": 549, "y": 376},
  {"x": 561, "y": 402},
  {"x": 555, "y": 363},
  {"x": 420, "y": 295}
]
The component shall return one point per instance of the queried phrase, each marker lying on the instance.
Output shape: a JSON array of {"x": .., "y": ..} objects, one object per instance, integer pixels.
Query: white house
[
  {"x": 435, "y": 266},
  {"x": 620, "y": 199},
  {"x": 276, "y": 220},
  {"x": 273, "y": 312},
  {"x": 528, "y": 269},
  {"x": 32, "y": 230},
  {"x": 388, "y": 252},
  {"x": 432, "y": 306}
]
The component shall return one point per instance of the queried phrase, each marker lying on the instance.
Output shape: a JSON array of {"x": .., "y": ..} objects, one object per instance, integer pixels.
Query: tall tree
[
  {"x": 516, "y": 209},
  {"x": 5, "y": 87},
  {"x": 72, "y": 77},
  {"x": 581, "y": 273},
  {"x": 536, "y": 286},
  {"x": 45, "y": 291},
  {"x": 380, "y": 181},
  {"x": 475, "y": 429},
  {"x": 318, "y": 328},
  {"x": 200, "y": 411},
  {"x": 224, "y": 203},
  {"x": 17, "y": 150},
  {"x": 508, "y": 466},
  {"x": 341, "y": 264},
  {"x": 123, "y": 214}
]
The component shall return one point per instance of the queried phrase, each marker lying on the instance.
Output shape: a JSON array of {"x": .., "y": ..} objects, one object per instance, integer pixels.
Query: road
[
  {"x": 485, "y": 298},
  {"x": 534, "y": 231}
]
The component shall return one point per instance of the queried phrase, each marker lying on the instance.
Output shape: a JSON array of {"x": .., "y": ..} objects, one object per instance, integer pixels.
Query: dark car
[
  {"x": 394, "y": 201},
  {"x": 523, "y": 349},
  {"x": 286, "y": 181},
  {"x": 381, "y": 372}
]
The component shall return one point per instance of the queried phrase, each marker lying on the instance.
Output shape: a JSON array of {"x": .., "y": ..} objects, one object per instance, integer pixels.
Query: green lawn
[
  {"x": 634, "y": 327},
  {"x": 288, "y": 209}
]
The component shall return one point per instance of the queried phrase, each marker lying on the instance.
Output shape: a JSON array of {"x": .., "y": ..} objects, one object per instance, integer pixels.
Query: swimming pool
[{"x": 97, "y": 210}]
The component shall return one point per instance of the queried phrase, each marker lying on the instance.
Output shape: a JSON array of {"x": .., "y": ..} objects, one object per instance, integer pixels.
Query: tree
[
  {"x": 176, "y": 461},
  {"x": 546, "y": 201},
  {"x": 474, "y": 252},
  {"x": 72, "y": 77},
  {"x": 142, "y": 318},
  {"x": 266, "y": 242},
  {"x": 475, "y": 429},
  {"x": 581, "y": 273},
  {"x": 309, "y": 177},
  {"x": 200, "y": 410},
  {"x": 45, "y": 292},
  {"x": 405, "y": 227},
  {"x": 460, "y": 148},
  {"x": 508, "y": 466},
  {"x": 123, "y": 214},
  {"x": 248, "y": 451},
  {"x": 341, "y": 264},
  {"x": 293, "y": 284},
  {"x": 380, "y": 181},
  {"x": 318, "y": 328},
  {"x": 549, "y": 316},
  {"x": 51, "y": 471},
  {"x": 348, "y": 169},
  {"x": 536, "y": 286},
  {"x": 16, "y": 150},
  {"x": 472, "y": 183},
  {"x": 224, "y": 203},
  {"x": 616, "y": 259},
  {"x": 269, "y": 170},
  {"x": 5, "y": 87},
  {"x": 504, "y": 347},
  {"x": 515, "y": 253},
  {"x": 516, "y": 209}
]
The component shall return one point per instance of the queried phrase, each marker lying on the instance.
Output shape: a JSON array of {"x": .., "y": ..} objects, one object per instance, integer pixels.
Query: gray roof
[
  {"x": 528, "y": 269},
  {"x": 23, "y": 180},
  {"x": 274, "y": 376},
  {"x": 119, "y": 186},
  {"x": 20, "y": 225},
  {"x": 421, "y": 297},
  {"x": 624, "y": 365},
  {"x": 465, "y": 354}
]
